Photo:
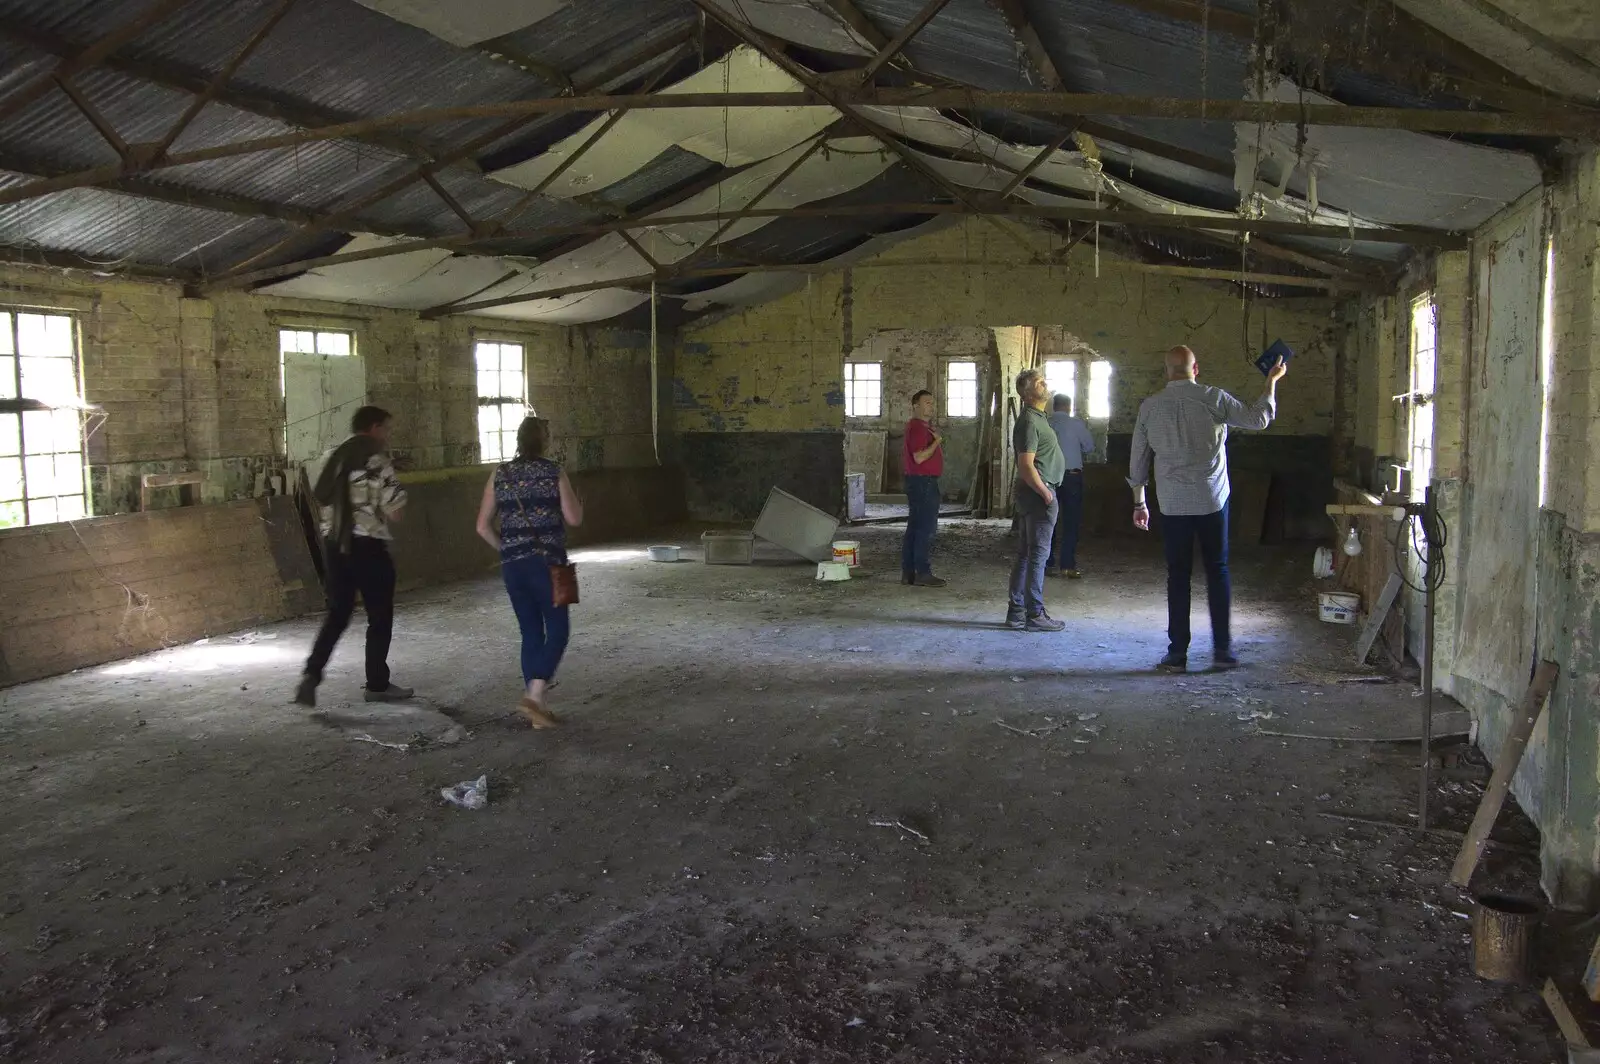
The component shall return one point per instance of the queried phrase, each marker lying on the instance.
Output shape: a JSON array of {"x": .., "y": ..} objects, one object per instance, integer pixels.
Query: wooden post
[{"x": 1494, "y": 796}]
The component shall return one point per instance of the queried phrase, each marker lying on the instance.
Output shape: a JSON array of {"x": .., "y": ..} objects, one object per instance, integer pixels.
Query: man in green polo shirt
[{"x": 1040, "y": 469}]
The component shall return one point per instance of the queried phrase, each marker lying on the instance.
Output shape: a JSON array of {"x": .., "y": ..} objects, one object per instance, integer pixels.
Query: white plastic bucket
[
  {"x": 831, "y": 571},
  {"x": 664, "y": 553},
  {"x": 847, "y": 551},
  {"x": 1339, "y": 607}
]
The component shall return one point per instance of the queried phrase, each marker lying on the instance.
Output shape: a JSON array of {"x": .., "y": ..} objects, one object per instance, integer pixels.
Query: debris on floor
[{"x": 468, "y": 794}]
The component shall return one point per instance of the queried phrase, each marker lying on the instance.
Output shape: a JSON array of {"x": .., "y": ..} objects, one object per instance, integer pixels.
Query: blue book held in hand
[{"x": 1278, "y": 350}]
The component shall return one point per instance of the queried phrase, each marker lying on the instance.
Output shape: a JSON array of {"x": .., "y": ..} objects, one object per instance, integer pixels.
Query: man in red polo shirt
[{"x": 922, "y": 461}]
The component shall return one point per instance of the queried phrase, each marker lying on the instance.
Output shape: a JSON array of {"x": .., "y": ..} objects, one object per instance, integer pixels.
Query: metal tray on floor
[{"x": 797, "y": 526}]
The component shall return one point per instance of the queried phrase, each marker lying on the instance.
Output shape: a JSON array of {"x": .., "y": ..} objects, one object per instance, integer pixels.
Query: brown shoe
[
  {"x": 1074, "y": 574},
  {"x": 537, "y": 715},
  {"x": 1052, "y": 571}
]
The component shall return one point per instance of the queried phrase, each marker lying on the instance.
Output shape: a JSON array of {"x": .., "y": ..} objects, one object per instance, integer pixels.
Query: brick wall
[
  {"x": 194, "y": 383},
  {"x": 776, "y": 367}
]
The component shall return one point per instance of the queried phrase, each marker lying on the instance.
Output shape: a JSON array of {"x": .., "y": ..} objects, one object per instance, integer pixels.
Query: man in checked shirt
[{"x": 1184, "y": 428}]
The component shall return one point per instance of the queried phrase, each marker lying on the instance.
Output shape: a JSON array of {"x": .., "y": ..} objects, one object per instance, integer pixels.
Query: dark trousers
[
  {"x": 369, "y": 570},
  {"x": 1036, "y": 524},
  {"x": 1179, "y": 535},
  {"x": 1064, "y": 548},
  {"x": 916, "y": 550},
  {"x": 545, "y": 626}
]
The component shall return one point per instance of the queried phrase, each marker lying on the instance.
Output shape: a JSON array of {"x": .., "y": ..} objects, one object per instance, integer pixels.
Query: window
[
  {"x": 502, "y": 399},
  {"x": 1100, "y": 390},
  {"x": 1424, "y": 344},
  {"x": 961, "y": 389},
  {"x": 863, "y": 389},
  {"x": 1061, "y": 375},
  {"x": 41, "y": 437},
  {"x": 315, "y": 342}
]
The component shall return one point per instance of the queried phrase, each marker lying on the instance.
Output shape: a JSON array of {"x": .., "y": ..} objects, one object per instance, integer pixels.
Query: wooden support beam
[
  {"x": 898, "y": 42},
  {"x": 1505, "y": 768},
  {"x": 450, "y": 201},
  {"x": 183, "y": 196},
  {"x": 651, "y": 217},
  {"x": 101, "y": 124},
  {"x": 1548, "y": 124},
  {"x": 858, "y": 22},
  {"x": 633, "y": 242},
  {"x": 1038, "y": 160},
  {"x": 643, "y": 280},
  {"x": 82, "y": 57},
  {"x": 1032, "y": 46},
  {"x": 195, "y": 82},
  {"x": 223, "y": 76}
]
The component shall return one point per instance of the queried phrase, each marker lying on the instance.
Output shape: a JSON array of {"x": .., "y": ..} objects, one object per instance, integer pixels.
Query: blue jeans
[
  {"x": 1178, "y": 535},
  {"x": 544, "y": 625},
  {"x": 916, "y": 550},
  {"x": 1036, "y": 522},
  {"x": 1064, "y": 549}
]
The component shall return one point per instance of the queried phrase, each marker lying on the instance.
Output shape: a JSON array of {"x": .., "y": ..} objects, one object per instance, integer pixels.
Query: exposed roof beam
[
  {"x": 182, "y": 196},
  {"x": 1193, "y": 272},
  {"x": 426, "y": 173},
  {"x": 67, "y": 260},
  {"x": 101, "y": 124},
  {"x": 1487, "y": 81},
  {"x": 857, "y": 20},
  {"x": 898, "y": 42},
  {"x": 82, "y": 57},
  {"x": 651, "y": 218},
  {"x": 194, "y": 82},
  {"x": 1032, "y": 46}
]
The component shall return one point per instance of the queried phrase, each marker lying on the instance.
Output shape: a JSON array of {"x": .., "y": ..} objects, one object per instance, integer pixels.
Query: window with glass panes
[
  {"x": 1061, "y": 376},
  {"x": 863, "y": 389},
  {"x": 502, "y": 399},
  {"x": 315, "y": 342},
  {"x": 41, "y": 444},
  {"x": 1100, "y": 390},
  {"x": 961, "y": 389}
]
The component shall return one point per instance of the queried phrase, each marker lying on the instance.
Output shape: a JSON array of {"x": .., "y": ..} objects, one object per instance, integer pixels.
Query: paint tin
[{"x": 847, "y": 551}]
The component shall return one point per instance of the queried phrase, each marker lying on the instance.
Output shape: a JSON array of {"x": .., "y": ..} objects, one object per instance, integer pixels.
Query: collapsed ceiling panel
[
  {"x": 470, "y": 23},
  {"x": 730, "y": 136},
  {"x": 1390, "y": 176},
  {"x": 414, "y": 280},
  {"x": 798, "y": 22}
]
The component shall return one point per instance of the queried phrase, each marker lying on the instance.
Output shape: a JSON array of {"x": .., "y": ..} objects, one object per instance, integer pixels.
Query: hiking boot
[
  {"x": 1222, "y": 660},
  {"x": 1074, "y": 574},
  {"x": 1173, "y": 663},
  {"x": 1016, "y": 620},
  {"x": 1052, "y": 571},
  {"x": 392, "y": 693},
  {"x": 929, "y": 580},
  {"x": 1043, "y": 622},
  {"x": 306, "y": 693}
]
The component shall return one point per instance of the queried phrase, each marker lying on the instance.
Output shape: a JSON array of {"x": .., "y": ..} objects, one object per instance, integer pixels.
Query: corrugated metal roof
[
  {"x": 341, "y": 58},
  {"x": 112, "y": 228}
]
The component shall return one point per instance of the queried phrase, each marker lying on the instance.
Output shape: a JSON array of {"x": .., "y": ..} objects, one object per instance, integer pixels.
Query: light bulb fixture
[{"x": 1352, "y": 542}]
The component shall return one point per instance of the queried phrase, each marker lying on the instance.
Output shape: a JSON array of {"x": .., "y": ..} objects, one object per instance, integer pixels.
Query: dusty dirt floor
[{"x": 786, "y": 821}]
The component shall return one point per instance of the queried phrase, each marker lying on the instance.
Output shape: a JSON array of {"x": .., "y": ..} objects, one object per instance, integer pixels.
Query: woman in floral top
[{"x": 535, "y": 503}]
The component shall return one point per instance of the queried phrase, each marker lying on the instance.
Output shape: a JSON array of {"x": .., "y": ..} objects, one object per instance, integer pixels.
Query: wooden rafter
[
  {"x": 1032, "y": 46},
  {"x": 101, "y": 124},
  {"x": 897, "y": 43},
  {"x": 858, "y": 22},
  {"x": 84, "y": 57}
]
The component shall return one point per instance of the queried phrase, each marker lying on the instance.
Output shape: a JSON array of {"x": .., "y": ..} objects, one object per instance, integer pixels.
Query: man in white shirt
[
  {"x": 360, "y": 496},
  {"x": 1184, "y": 429},
  {"x": 1077, "y": 443}
]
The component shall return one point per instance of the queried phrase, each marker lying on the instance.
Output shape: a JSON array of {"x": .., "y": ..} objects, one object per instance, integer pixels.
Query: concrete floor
[{"x": 783, "y": 823}]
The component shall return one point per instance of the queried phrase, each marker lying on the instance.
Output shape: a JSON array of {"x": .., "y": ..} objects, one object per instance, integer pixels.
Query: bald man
[{"x": 1183, "y": 429}]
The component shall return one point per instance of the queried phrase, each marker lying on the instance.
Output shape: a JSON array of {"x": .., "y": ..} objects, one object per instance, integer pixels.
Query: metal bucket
[{"x": 1502, "y": 937}]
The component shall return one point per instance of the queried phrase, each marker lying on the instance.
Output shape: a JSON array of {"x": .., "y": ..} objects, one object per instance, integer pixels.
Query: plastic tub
[
  {"x": 1339, "y": 607},
  {"x": 847, "y": 551},
  {"x": 728, "y": 548},
  {"x": 664, "y": 553}
]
